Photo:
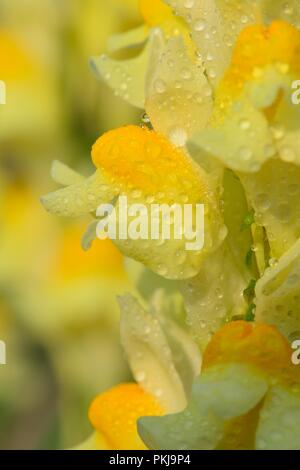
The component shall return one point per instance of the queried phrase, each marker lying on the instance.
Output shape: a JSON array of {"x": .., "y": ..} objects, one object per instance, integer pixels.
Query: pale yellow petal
[
  {"x": 131, "y": 38},
  {"x": 219, "y": 394},
  {"x": 279, "y": 422},
  {"x": 242, "y": 141},
  {"x": 64, "y": 175},
  {"x": 178, "y": 95},
  {"x": 214, "y": 295},
  {"x": 277, "y": 293},
  {"x": 168, "y": 308},
  {"x": 287, "y": 10},
  {"x": 273, "y": 193},
  {"x": 125, "y": 77},
  {"x": 80, "y": 198},
  {"x": 215, "y": 25},
  {"x": 149, "y": 355}
]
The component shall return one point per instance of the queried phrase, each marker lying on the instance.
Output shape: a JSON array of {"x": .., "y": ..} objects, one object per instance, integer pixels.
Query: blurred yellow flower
[{"x": 31, "y": 108}]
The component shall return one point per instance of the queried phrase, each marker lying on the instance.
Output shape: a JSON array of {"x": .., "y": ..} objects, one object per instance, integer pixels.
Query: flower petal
[
  {"x": 149, "y": 355},
  {"x": 276, "y": 293},
  {"x": 126, "y": 77},
  {"x": 285, "y": 10},
  {"x": 215, "y": 24},
  {"x": 169, "y": 310},
  {"x": 273, "y": 193},
  {"x": 64, "y": 175},
  {"x": 213, "y": 295},
  {"x": 279, "y": 422},
  {"x": 220, "y": 394},
  {"x": 242, "y": 141},
  {"x": 260, "y": 345},
  {"x": 131, "y": 38},
  {"x": 80, "y": 198},
  {"x": 114, "y": 414},
  {"x": 178, "y": 95}
]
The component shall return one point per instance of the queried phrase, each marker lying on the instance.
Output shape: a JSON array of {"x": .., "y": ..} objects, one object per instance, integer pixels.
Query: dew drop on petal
[
  {"x": 178, "y": 136},
  {"x": 160, "y": 86},
  {"x": 199, "y": 25}
]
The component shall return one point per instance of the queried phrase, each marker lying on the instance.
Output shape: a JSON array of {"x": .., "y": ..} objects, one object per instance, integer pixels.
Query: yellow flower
[
  {"x": 247, "y": 396},
  {"x": 163, "y": 33},
  {"x": 145, "y": 167},
  {"x": 254, "y": 128},
  {"x": 215, "y": 79},
  {"x": 164, "y": 361},
  {"x": 114, "y": 415}
]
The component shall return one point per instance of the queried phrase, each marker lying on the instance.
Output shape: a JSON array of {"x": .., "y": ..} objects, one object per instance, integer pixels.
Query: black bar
[{"x": 150, "y": 459}]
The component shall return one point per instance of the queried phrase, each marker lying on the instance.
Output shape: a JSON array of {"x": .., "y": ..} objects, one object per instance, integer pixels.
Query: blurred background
[{"x": 58, "y": 314}]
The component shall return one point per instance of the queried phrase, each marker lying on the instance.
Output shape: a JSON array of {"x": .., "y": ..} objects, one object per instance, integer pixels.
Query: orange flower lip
[
  {"x": 139, "y": 159},
  {"x": 257, "y": 47},
  {"x": 257, "y": 344},
  {"x": 115, "y": 413}
]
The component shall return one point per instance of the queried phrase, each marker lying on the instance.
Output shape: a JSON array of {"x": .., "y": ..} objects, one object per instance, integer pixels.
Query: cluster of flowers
[{"x": 208, "y": 333}]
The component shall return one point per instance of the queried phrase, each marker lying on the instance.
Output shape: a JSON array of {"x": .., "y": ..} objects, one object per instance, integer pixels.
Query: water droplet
[
  {"x": 287, "y": 154},
  {"x": 199, "y": 25},
  {"x": 140, "y": 376},
  {"x": 263, "y": 202},
  {"x": 186, "y": 74},
  {"x": 189, "y": 3},
  {"x": 245, "y": 153},
  {"x": 160, "y": 86},
  {"x": 245, "y": 124},
  {"x": 178, "y": 136}
]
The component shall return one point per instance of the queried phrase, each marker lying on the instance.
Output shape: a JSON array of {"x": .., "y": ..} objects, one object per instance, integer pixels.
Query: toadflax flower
[
  {"x": 146, "y": 168},
  {"x": 215, "y": 79},
  {"x": 247, "y": 397},
  {"x": 164, "y": 361}
]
